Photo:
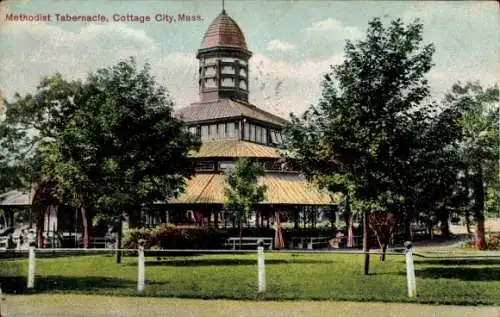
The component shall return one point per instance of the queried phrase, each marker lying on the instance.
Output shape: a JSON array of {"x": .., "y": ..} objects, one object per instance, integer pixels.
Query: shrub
[
  {"x": 493, "y": 242},
  {"x": 132, "y": 236},
  {"x": 168, "y": 236}
]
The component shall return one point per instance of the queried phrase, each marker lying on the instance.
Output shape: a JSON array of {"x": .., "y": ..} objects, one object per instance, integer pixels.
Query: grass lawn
[{"x": 289, "y": 276}]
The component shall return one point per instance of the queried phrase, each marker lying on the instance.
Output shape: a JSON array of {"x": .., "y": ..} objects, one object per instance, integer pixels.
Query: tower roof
[{"x": 224, "y": 32}]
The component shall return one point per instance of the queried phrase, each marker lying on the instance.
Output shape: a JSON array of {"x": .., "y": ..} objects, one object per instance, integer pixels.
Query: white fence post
[
  {"x": 261, "y": 267},
  {"x": 32, "y": 262},
  {"x": 3, "y": 304},
  {"x": 140, "y": 267},
  {"x": 410, "y": 270}
]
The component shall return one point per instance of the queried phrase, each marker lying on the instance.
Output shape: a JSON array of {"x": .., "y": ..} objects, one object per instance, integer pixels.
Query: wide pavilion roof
[
  {"x": 235, "y": 148},
  {"x": 225, "y": 109},
  {"x": 15, "y": 198},
  {"x": 282, "y": 189}
]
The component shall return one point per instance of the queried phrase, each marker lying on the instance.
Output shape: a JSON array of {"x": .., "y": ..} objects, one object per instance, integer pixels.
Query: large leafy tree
[
  {"x": 478, "y": 147},
  {"x": 29, "y": 122},
  {"x": 123, "y": 147},
  {"x": 105, "y": 145},
  {"x": 242, "y": 189},
  {"x": 355, "y": 139}
]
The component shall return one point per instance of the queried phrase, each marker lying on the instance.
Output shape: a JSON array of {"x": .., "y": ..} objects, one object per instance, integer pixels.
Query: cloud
[
  {"x": 279, "y": 45},
  {"x": 30, "y": 51},
  {"x": 333, "y": 25},
  {"x": 276, "y": 85},
  {"x": 283, "y": 87}
]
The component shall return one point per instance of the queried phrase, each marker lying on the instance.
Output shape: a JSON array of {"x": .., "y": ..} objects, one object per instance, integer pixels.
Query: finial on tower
[{"x": 223, "y": 9}]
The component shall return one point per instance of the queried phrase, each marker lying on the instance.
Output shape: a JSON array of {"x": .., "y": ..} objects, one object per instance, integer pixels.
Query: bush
[
  {"x": 168, "y": 236},
  {"x": 132, "y": 236},
  {"x": 493, "y": 242}
]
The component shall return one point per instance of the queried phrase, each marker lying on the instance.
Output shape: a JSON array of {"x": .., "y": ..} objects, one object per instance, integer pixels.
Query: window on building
[
  {"x": 225, "y": 165},
  {"x": 252, "y": 132},
  {"x": 246, "y": 135},
  {"x": 273, "y": 136},
  {"x": 264, "y": 136},
  {"x": 210, "y": 60},
  {"x": 243, "y": 72},
  {"x": 210, "y": 71},
  {"x": 228, "y": 59},
  {"x": 272, "y": 166},
  {"x": 243, "y": 85},
  {"x": 204, "y": 132},
  {"x": 242, "y": 62},
  {"x": 258, "y": 134},
  {"x": 221, "y": 131},
  {"x": 226, "y": 69},
  {"x": 210, "y": 83},
  {"x": 231, "y": 132},
  {"x": 227, "y": 82},
  {"x": 213, "y": 131},
  {"x": 205, "y": 166},
  {"x": 192, "y": 130}
]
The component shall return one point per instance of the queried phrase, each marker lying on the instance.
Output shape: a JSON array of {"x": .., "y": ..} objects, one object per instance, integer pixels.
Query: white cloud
[
  {"x": 30, "y": 51},
  {"x": 333, "y": 25},
  {"x": 283, "y": 87},
  {"x": 279, "y": 45},
  {"x": 275, "y": 85}
]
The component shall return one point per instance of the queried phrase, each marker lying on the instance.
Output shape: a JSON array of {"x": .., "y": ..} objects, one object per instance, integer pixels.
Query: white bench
[
  {"x": 307, "y": 242},
  {"x": 248, "y": 242}
]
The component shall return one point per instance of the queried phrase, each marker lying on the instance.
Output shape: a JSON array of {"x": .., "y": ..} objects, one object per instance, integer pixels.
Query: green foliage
[
  {"x": 132, "y": 237},
  {"x": 108, "y": 143},
  {"x": 242, "y": 189},
  {"x": 169, "y": 236},
  {"x": 493, "y": 241},
  {"x": 365, "y": 134},
  {"x": 492, "y": 203},
  {"x": 123, "y": 144}
]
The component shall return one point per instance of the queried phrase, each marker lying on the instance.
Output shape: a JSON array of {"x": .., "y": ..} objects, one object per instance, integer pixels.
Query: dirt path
[{"x": 101, "y": 306}]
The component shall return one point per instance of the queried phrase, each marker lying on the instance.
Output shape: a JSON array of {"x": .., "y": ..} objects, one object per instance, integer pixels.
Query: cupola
[{"x": 223, "y": 61}]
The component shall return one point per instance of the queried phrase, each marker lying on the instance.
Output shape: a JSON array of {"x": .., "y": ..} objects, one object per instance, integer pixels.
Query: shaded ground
[{"x": 101, "y": 306}]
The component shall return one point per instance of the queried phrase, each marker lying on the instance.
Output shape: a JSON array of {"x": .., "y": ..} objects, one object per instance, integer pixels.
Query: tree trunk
[
  {"x": 366, "y": 245},
  {"x": 119, "y": 242},
  {"x": 479, "y": 208},
  {"x": 467, "y": 222},
  {"x": 384, "y": 249},
  {"x": 87, "y": 226},
  {"x": 445, "y": 226},
  {"x": 40, "y": 224},
  {"x": 407, "y": 227},
  {"x": 241, "y": 231}
]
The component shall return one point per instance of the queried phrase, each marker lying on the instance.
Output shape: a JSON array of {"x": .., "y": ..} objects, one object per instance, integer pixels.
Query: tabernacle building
[{"x": 230, "y": 127}]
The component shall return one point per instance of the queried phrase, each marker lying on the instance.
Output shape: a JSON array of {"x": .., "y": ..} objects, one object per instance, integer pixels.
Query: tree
[
  {"x": 107, "y": 145},
  {"x": 242, "y": 189},
  {"x": 355, "y": 140},
  {"x": 123, "y": 147},
  {"x": 383, "y": 225},
  {"x": 479, "y": 145},
  {"x": 29, "y": 122}
]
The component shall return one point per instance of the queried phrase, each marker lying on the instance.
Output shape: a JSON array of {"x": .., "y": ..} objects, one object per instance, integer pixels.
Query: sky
[{"x": 293, "y": 43}]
